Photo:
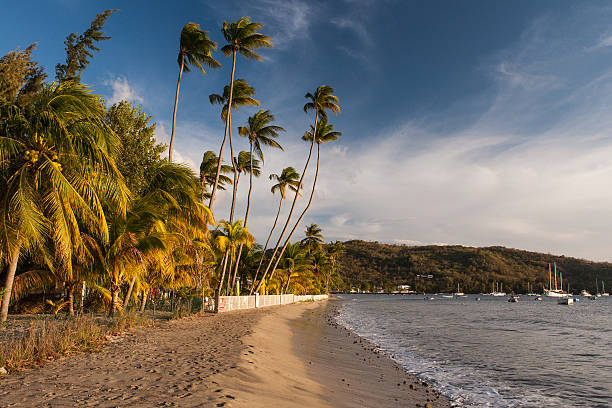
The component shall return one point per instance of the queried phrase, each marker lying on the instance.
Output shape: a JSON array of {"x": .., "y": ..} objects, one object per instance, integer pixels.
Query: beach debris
[{"x": 3, "y": 371}]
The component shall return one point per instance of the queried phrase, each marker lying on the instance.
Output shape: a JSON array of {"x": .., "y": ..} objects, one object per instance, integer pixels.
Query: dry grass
[{"x": 49, "y": 339}]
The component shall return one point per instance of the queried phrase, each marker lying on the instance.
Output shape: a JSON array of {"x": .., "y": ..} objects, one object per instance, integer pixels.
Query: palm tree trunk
[
  {"x": 228, "y": 289},
  {"x": 178, "y": 86},
  {"x": 236, "y": 180},
  {"x": 71, "y": 299},
  {"x": 287, "y": 286},
  {"x": 297, "y": 192},
  {"x": 227, "y": 124},
  {"x": 263, "y": 254},
  {"x": 129, "y": 293},
  {"x": 314, "y": 184},
  {"x": 143, "y": 304},
  {"x": 8, "y": 285},
  {"x": 114, "y": 298},
  {"x": 246, "y": 215},
  {"x": 220, "y": 286}
]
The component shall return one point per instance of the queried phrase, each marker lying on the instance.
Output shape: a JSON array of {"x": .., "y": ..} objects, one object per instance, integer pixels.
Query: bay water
[{"x": 492, "y": 353}]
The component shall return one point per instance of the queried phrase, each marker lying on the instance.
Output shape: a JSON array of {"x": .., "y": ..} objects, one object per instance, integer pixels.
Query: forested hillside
[{"x": 367, "y": 265}]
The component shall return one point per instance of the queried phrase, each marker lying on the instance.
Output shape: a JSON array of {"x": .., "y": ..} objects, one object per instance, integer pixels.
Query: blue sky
[{"x": 464, "y": 122}]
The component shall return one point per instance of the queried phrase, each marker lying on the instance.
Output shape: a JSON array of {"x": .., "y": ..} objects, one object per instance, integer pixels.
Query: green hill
[{"x": 367, "y": 265}]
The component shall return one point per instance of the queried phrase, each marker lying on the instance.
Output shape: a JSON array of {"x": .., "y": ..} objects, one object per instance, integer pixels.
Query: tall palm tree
[
  {"x": 288, "y": 178},
  {"x": 244, "y": 163},
  {"x": 242, "y": 37},
  {"x": 260, "y": 132},
  {"x": 242, "y": 95},
  {"x": 56, "y": 170},
  {"x": 321, "y": 101},
  {"x": 208, "y": 171},
  {"x": 195, "y": 49},
  {"x": 314, "y": 238},
  {"x": 324, "y": 133}
]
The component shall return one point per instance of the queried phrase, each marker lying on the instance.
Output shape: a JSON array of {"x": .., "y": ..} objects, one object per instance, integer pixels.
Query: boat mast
[
  {"x": 549, "y": 278},
  {"x": 555, "y": 276},
  {"x": 561, "y": 276}
]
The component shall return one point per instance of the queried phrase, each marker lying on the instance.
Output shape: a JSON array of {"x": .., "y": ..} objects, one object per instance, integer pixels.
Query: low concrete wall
[{"x": 227, "y": 303}]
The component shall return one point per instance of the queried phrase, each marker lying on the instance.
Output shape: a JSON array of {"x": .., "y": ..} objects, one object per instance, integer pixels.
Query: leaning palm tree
[
  {"x": 56, "y": 170},
  {"x": 195, "y": 49},
  {"x": 314, "y": 238},
  {"x": 242, "y": 37},
  {"x": 208, "y": 171},
  {"x": 324, "y": 133},
  {"x": 321, "y": 101},
  {"x": 288, "y": 178},
  {"x": 242, "y": 95}
]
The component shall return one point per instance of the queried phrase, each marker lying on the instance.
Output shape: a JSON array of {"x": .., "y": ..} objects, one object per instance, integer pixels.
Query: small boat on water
[
  {"x": 585, "y": 293},
  {"x": 447, "y": 296},
  {"x": 459, "y": 293},
  {"x": 566, "y": 301},
  {"x": 539, "y": 298},
  {"x": 513, "y": 299}
]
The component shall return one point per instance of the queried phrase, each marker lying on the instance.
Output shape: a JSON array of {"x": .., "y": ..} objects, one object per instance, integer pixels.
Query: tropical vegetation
[{"x": 93, "y": 218}]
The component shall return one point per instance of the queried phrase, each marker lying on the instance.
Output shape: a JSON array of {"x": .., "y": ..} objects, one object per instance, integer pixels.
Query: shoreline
[
  {"x": 299, "y": 356},
  {"x": 278, "y": 356}
]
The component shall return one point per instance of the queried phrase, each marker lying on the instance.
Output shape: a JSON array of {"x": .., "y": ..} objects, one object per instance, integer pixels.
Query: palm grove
[{"x": 90, "y": 206}]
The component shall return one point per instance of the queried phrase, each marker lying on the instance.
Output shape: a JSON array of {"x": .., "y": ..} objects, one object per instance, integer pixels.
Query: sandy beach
[{"x": 293, "y": 355}]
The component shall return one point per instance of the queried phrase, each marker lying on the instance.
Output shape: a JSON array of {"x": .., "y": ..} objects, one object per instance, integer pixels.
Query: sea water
[{"x": 492, "y": 353}]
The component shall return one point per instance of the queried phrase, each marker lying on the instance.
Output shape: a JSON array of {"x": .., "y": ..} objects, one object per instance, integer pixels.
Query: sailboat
[
  {"x": 556, "y": 292},
  {"x": 459, "y": 293},
  {"x": 603, "y": 289},
  {"x": 497, "y": 291},
  {"x": 529, "y": 292}
]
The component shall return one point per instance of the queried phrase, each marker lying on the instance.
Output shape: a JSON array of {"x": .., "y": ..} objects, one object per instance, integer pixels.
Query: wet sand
[
  {"x": 292, "y": 355},
  {"x": 299, "y": 356}
]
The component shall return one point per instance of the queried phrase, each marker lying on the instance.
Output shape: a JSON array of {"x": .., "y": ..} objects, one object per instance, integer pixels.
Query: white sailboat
[
  {"x": 497, "y": 291},
  {"x": 603, "y": 289},
  {"x": 556, "y": 292},
  {"x": 459, "y": 293}
]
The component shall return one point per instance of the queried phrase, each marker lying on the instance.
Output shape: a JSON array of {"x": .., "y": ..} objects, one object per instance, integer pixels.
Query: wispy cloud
[
  {"x": 356, "y": 27},
  {"x": 288, "y": 20},
  {"x": 122, "y": 91}
]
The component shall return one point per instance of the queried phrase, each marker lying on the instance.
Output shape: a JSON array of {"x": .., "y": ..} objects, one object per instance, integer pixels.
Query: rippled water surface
[{"x": 494, "y": 353}]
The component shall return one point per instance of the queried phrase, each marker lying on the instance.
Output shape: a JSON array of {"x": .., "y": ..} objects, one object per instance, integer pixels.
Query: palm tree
[
  {"x": 334, "y": 250},
  {"x": 242, "y": 95},
  {"x": 313, "y": 239},
  {"x": 227, "y": 238},
  {"x": 242, "y": 37},
  {"x": 56, "y": 170},
  {"x": 208, "y": 171},
  {"x": 321, "y": 101},
  {"x": 194, "y": 50},
  {"x": 244, "y": 163},
  {"x": 288, "y": 178},
  {"x": 295, "y": 262},
  {"x": 260, "y": 132}
]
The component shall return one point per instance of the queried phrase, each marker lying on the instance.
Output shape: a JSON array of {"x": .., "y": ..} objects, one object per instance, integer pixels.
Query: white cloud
[
  {"x": 286, "y": 20},
  {"x": 355, "y": 26},
  {"x": 122, "y": 91}
]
